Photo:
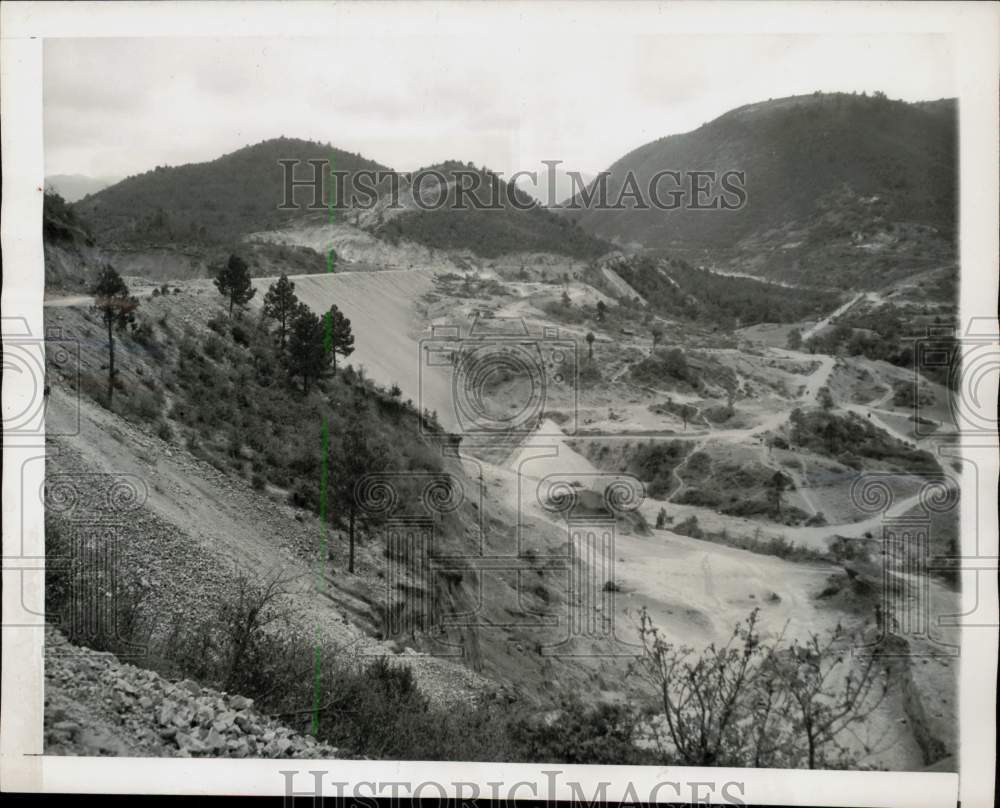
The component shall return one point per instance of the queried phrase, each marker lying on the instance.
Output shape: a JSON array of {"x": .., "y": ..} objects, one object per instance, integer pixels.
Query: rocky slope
[{"x": 98, "y": 705}]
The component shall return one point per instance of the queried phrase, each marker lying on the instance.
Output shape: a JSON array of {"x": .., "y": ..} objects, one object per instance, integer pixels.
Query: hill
[
  {"x": 508, "y": 219},
  {"x": 209, "y": 203},
  {"x": 831, "y": 179},
  {"x": 219, "y": 202},
  {"x": 71, "y": 255}
]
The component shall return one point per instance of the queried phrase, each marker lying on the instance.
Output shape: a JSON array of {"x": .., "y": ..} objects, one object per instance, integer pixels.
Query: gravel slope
[{"x": 97, "y": 705}]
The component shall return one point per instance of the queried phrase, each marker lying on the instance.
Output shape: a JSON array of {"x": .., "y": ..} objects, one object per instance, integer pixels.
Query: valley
[{"x": 452, "y": 466}]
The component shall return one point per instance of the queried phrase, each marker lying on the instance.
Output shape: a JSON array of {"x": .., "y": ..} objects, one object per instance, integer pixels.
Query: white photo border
[{"x": 975, "y": 30}]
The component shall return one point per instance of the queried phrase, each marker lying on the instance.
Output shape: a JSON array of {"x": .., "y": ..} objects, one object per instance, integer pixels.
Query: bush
[
  {"x": 665, "y": 364},
  {"x": 690, "y": 527},
  {"x": 654, "y": 463},
  {"x": 756, "y": 702},
  {"x": 240, "y": 336},
  {"x": 661, "y": 519},
  {"x": 214, "y": 348},
  {"x": 218, "y": 323},
  {"x": 578, "y": 733},
  {"x": 140, "y": 405}
]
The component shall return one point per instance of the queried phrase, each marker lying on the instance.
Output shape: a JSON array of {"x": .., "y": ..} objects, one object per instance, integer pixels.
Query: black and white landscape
[{"x": 578, "y": 482}]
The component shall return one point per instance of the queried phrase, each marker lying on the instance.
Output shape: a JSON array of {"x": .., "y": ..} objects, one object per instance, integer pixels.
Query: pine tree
[
  {"x": 307, "y": 353},
  {"x": 338, "y": 335},
  {"x": 353, "y": 454},
  {"x": 117, "y": 308},
  {"x": 590, "y": 344},
  {"x": 232, "y": 279},
  {"x": 778, "y": 483},
  {"x": 279, "y": 304}
]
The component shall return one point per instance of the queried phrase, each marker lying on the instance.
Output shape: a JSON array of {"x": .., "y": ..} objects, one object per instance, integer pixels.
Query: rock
[
  {"x": 121, "y": 702},
  {"x": 167, "y": 712},
  {"x": 204, "y": 715},
  {"x": 188, "y": 743},
  {"x": 224, "y": 722},
  {"x": 240, "y": 702},
  {"x": 125, "y": 687},
  {"x": 278, "y": 747},
  {"x": 190, "y": 686},
  {"x": 215, "y": 741},
  {"x": 183, "y": 716},
  {"x": 66, "y": 727}
]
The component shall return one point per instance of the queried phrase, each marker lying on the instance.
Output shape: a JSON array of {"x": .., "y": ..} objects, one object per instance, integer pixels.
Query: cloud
[{"x": 121, "y": 106}]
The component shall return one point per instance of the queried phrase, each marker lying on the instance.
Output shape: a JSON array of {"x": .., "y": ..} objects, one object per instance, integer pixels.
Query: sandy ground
[{"x": 696, "y": 590}]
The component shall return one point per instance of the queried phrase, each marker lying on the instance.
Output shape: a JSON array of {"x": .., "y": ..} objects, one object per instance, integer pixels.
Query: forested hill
[
  {"x": 675, "y": 289},
  {"x": 503, "y": 218},
  {"x": 220, "y": 201},
  {"x": 874, "y": 176},
  {"x": 210, "y": 203}
]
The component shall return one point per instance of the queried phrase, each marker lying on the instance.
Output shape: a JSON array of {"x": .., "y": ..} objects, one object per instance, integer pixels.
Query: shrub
[
  {"x": 661, "y": 519},
  {"x": 654, "y": 463},
  {"x": 240, "y": 335},
  {"x": 690, "y": 527},
  {"x": 578, "y": 733},
  {"x": 218, "y": 323},
  {"x": 140, "y": 405},
  {"x": 756, "y": 702},
  {"x": 214, "y": 348}
]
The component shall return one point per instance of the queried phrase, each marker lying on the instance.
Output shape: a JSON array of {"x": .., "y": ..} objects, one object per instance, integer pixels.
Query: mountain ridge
[{"x": 820, "y": 170}]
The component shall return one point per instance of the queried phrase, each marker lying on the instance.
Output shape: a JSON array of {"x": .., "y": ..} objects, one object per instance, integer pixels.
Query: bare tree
[
  {"x": 245, "y": 617},
  {"x": 704, "y": 697},
  {"x": 760, "y": 703},
  {"x": 828, "y": 693}
]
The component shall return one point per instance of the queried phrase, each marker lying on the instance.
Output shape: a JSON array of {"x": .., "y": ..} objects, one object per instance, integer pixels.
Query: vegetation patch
[{"x": 855, "y": 443}]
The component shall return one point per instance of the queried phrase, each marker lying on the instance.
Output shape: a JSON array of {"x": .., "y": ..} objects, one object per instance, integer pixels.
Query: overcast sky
[{"x": 121, "y": 106}]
